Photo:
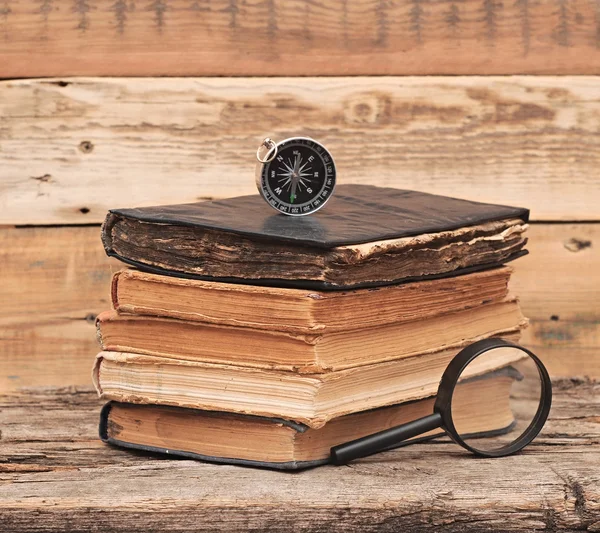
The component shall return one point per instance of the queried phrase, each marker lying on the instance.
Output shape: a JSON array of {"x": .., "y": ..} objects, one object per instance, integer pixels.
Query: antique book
[
  {"x": 285, "y": 444},
  {"x": 311, "y": 352},
  {"x": 312, "y": 399},
  {"x": 365, "y": 236},
  {"x": 300, "y": 310}
]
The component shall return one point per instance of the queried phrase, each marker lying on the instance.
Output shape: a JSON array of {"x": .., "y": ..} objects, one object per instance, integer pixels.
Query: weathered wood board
[
  {"x": 58, "y": 280},
  {"x": 69, "y": 150},
  {"x": 56, "y": 475},
  {"x": 298, "y": 37},
  {"x": 559, "y": 287},
  {"x": 54, "y": 282},
  {"x": 560, "y": 278}
]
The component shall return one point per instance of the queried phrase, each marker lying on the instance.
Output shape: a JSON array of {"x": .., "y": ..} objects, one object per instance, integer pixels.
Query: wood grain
[
  {"x": 56, "y": 475},
  {"x": 298, "y": 37},
  {"x": 560, "y": 278},
  {"x": 559, "y": 287},
  {"x": 56, "y": 280},
  {"x": 70, "y": 150},
  {"x": 54, "y": 283}
]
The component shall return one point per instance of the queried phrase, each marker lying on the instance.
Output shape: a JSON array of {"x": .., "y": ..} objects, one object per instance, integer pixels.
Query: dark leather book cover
[{"x": 356, "y": 214}]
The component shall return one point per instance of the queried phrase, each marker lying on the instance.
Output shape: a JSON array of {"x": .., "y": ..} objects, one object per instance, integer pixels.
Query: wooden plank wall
[
  {"x": 298, "y": 37},
  {"x": 72, "y": 147}
]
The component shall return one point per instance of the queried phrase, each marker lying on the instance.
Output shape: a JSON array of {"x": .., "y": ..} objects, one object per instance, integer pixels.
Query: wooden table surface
[{"x": 56, "y": 475}]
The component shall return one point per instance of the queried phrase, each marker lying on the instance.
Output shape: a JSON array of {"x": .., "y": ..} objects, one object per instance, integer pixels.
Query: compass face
[{"x": 300, "y": 179}]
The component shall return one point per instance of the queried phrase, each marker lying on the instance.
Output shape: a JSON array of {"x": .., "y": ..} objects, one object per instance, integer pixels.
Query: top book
[{"x": 366, "y": 236}]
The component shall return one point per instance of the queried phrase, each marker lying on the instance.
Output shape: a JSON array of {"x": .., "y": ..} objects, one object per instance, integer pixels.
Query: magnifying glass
[{"x": 520, "y": 413}]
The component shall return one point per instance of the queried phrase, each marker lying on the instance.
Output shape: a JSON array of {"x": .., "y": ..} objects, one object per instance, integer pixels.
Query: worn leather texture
[{"x": 355, "y": 214}]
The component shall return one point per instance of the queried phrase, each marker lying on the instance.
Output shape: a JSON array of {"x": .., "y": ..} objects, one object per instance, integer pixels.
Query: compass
[{"x": 295, "y": 176}]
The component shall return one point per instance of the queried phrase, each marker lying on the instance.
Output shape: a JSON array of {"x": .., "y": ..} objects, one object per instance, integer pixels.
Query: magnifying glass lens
[{"x": 504, "y": 381}]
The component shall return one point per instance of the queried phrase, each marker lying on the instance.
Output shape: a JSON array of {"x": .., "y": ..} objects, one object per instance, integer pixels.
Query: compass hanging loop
[{"x": 271, "y": 146}]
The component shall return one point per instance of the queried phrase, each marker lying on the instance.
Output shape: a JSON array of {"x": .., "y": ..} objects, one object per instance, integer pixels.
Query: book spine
[
  {"x": 106, "y": 233},
  {"x": 96, "y": 374},
  {"x": 103, "y": 425},
  {"x": 114, "y": 289}
]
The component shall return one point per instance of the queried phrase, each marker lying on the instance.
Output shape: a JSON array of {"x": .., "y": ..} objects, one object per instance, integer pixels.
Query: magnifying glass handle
[{"x": 377, "y": 442}]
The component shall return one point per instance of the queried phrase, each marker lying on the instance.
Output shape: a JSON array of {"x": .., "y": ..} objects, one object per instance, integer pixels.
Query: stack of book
[{"x": 244, "y": 336}]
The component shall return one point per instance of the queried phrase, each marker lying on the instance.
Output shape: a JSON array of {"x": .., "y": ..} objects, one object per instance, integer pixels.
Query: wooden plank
[
  {"x": 559, "y": 287},
  {"x": 560, "y": 278},
  {"x": 300, "y": 37},
  {"x": 56, "y": 475},
  {"x": 54, "y": 283},
  {"x": 57, "y": 279},
  {"x": 70, "y": 150}
]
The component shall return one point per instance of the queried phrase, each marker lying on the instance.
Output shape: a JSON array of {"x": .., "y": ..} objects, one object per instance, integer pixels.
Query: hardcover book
[
  {"x": 310, "y": 352},
  {"x": 366, "y": 236},
  {"x": 299, "y": 310}
]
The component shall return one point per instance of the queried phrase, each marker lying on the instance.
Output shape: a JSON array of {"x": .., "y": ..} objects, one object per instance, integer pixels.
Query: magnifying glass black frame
[{"x": 442, "y": 412}]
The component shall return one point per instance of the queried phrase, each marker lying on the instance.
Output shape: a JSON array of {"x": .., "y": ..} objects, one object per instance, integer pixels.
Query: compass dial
[{"x": 300, "y": 179}]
